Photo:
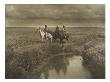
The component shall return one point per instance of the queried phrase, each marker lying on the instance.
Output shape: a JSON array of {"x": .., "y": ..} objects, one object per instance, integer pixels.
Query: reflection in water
[
  {"x": 64, "y": 67},
  {"x": 59, "y": 63}
]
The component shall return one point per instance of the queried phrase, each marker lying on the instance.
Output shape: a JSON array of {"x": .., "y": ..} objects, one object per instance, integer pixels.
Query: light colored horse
[{"x": 45, "y": 35}]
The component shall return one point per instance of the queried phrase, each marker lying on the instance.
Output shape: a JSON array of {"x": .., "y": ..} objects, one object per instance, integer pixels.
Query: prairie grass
[{"x": 25, "y": 51}]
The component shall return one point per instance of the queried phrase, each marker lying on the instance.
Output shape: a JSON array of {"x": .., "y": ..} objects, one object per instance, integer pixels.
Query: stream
[{"x": 64, "y": 67}]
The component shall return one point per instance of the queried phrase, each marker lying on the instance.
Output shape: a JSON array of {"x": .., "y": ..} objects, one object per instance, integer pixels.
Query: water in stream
[{"x": 64, "y": 67}]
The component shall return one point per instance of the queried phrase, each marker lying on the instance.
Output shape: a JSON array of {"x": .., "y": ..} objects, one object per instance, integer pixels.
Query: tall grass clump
[
  {"x": 22, "y": 61},
  {"x": 94, "y": 57}
]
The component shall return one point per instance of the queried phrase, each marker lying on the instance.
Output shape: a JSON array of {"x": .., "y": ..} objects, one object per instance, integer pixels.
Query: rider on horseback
[
  {"x": 64, "y": 30},
  {"x": 57, "y": 31},
  {"x": 45, "y": 31}
]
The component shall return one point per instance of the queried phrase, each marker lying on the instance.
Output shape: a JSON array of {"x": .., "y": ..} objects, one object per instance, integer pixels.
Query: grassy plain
[{"x": 25, "y": 51}]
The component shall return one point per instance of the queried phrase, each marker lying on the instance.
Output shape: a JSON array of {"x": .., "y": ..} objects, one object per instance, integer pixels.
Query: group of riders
[{"x": 57, "y": 32}]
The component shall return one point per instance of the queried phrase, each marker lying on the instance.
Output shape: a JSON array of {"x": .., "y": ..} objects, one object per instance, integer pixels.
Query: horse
[
  {"x": 45, "y": 35},
  {"x": 60, "y": 35}
]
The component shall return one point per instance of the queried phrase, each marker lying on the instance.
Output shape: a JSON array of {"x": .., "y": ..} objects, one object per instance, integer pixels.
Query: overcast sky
[{"x": 52, "y": 15}]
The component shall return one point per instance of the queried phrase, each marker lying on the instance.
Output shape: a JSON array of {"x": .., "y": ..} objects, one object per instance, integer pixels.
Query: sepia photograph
[{"x": 55, "y": 41}]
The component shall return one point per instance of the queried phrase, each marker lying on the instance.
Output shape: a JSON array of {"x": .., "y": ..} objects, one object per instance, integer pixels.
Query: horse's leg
[
  {"x": 43, "y": 39},
  {"x": 61, "y": 41},
  {"x": 51, "y": 40},
  {"x": 67, "y": 38}
]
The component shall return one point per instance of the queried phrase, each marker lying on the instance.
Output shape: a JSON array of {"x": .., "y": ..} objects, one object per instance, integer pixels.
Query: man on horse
[
  {"x": 57, "y": 31},
  {"x": 65, "y": 34},
  {"x": 45, "y": 31},
  {"x": 64, "y": 30}
]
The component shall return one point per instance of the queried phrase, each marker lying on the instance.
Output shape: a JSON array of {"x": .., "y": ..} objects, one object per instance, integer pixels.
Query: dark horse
[{"x": 61, "y": 35}]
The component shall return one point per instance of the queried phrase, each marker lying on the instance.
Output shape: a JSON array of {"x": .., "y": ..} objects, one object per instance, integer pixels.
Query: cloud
[{"x": 62, "y": 13}]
